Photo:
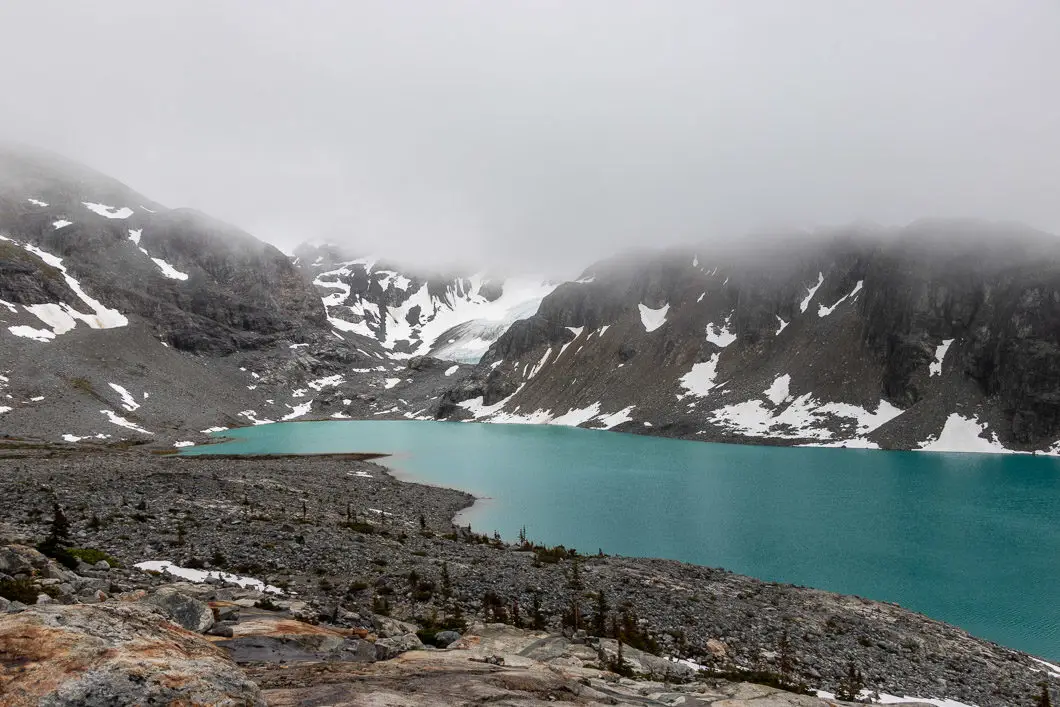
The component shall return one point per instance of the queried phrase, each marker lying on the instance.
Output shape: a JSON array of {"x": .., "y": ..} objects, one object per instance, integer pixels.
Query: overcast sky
[{"x": 540, "y": 133}]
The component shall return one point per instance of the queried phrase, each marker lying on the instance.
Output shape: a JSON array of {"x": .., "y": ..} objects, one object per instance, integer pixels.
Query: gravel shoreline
[{"x": 346, "y": 535}]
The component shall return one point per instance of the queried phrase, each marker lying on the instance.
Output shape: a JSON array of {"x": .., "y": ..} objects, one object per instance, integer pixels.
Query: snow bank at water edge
[{"x": 964, "y": 434}]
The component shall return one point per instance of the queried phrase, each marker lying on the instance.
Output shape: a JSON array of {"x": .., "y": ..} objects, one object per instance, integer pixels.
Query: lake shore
[{"x": 345, "y": 533}]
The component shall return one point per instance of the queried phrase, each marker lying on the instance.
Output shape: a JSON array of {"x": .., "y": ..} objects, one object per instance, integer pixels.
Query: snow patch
[
  {"x": 253, "y": 417},
  {"x": 36, "y": 202},
  {"x": 652, "y": 319},
  {"x": 451, "y": 370},
  {"x": 801, "y": 418},
  {"x": 61, "y": 317},
  {"x": 391, "y": 382},
  {"x": 61, "y": 223},
  {"x": 75, "y": 438},
  {"x": 127, "y": 400},
  {"x": 169, "y": 271},
  {"x": 108, "y": 211},
  {"x": 778, "y": 391},
  {"x": 935, "y": 368},
  {"x": 211, "y": 430},
  {"x": 720, "y": 335},
  {"x": 116, "y": 419},
  {"x": 327, "y": 382},
  {"x": 700, "y": 380},
  {"x": 823, "y": 311},
  {"x": 28, "y": 332},
  {"x": 179, "y": 445},
  {"x": 297, "y": 411},
  {"x": 782, "y": 325},
  {"x": 617, "y": 418},
  {"x": 811, "y": 291},
  {"x": 200, "y": 576}
]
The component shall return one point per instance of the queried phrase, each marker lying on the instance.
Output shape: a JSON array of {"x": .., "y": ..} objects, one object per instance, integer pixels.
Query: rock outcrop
[{"x": 111, "y": 655}]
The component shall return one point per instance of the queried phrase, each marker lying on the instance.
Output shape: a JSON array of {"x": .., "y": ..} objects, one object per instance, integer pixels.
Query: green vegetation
[{"x": 91, "y": 556}]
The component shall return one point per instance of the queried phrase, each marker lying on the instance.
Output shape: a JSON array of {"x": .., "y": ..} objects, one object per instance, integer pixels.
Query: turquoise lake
[{"x": 969, "y": 539}]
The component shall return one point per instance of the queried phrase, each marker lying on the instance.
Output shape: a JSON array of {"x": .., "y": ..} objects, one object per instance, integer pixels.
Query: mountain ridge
[{"x": 939, "y": 335}]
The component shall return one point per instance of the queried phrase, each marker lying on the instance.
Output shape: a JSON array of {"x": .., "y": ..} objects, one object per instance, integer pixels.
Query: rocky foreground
[{"x": 372, "y": 596}]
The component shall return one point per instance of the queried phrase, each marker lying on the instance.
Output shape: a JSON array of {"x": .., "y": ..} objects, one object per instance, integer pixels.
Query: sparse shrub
[
  {"x": 91, "y": 555},
  {"x": 23, "y": 590}
]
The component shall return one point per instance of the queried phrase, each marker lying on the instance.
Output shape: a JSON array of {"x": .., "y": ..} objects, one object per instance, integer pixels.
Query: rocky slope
[
  {"x": 122, "y": 319},
  {"x": 942, "y": 335}
]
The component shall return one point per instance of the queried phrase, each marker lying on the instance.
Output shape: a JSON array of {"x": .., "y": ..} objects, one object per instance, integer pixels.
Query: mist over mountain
[{"x": 537, "y": 136}]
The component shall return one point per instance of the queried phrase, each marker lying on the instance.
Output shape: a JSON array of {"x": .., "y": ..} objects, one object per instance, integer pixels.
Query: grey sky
[{"x": 543, "y": 133}]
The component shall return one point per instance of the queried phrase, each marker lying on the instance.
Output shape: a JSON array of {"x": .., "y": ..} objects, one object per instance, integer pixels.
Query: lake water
[{"x": 973, "y": 540}]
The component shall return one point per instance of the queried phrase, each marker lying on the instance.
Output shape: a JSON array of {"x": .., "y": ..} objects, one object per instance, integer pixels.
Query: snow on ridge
[
  {"x": 652, "y": 319},
  {"x": 127, "y": 400},
  {"x": 700, "y": 380},
  {"x": 823, "y": 311},
  {"x": 964, "y": 434},
  {"x": 480, "y": 321},
  {"x": 108, "y": 211},
  {"x": 935, "y": 367},
  {"x": 810, "y": 292},
  {"x": 62, "y": 317},
  {"x": 168, "y": 270}
]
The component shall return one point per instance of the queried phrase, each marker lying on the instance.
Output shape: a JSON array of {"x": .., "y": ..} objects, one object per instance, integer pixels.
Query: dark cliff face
[
  {"x": 884, "y": 305},
  {"x": 224, "y": 290}
]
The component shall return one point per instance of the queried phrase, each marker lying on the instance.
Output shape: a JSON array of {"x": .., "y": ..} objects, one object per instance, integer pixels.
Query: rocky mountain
[
  {"x": 449, "y": 316},
  {"x": 943, "y": 335},
  {"x": 121, "y": 318}
]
